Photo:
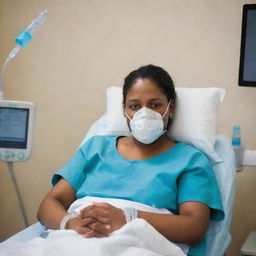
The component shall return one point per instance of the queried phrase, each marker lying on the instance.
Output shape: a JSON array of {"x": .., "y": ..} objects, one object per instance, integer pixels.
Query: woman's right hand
[{"x": 82, "y": 226}]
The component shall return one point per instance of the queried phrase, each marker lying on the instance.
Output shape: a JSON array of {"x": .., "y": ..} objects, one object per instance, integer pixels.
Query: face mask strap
[
  {"x": 127, "y": 116},
  {"x": 167, "y": 109}
]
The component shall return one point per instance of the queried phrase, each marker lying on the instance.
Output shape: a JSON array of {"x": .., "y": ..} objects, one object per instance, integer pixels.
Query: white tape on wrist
[
  {"x": 130, "y": 214},
  {"x": 66, "y": 218}
]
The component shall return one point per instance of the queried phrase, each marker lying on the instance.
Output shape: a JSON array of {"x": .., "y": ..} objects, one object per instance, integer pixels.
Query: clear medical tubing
[{"x": 23, "y": 38}]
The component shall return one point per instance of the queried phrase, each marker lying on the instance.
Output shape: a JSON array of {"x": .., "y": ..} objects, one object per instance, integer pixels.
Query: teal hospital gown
[{"x": 178, "y": 175}]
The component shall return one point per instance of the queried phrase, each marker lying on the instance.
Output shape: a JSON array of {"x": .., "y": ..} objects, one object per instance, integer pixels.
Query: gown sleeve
[{"x": 198, "y": 183}]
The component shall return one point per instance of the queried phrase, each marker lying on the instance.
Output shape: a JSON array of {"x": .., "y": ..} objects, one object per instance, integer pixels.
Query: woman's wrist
[
  {"x": 72, "y": 223},
  {"x": 130, "y": 214},
  {"x": 66, "y": 219}
]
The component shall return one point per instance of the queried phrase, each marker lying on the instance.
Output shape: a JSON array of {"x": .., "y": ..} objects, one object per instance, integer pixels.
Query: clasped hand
[{"x": 97, "y": 220}]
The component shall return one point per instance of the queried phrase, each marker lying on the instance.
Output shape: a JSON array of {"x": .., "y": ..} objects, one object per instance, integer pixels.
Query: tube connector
[
  {"x": 25, "y": 36},
  {"x": 22, "y": 40}
]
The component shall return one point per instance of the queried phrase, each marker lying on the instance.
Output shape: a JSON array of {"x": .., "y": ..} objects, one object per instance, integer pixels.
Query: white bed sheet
[{"x": 218, "y": 236}]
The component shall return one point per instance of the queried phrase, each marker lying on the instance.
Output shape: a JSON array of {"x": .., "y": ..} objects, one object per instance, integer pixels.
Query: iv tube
[
  {"x": 2, "y": 78},
  {"x": 22, "y": 40}
]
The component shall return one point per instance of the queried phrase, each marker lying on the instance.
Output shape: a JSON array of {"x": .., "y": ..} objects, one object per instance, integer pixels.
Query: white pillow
[{"x": 195, "y": 118}]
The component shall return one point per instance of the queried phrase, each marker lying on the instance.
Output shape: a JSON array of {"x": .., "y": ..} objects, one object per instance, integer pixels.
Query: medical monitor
[
  {"x": 247, "y": 68},
  {"x": 16, "y": 128}
]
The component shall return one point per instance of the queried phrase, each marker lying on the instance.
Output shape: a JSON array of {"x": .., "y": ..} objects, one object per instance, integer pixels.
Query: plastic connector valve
[{"x": 25, "y": 36}]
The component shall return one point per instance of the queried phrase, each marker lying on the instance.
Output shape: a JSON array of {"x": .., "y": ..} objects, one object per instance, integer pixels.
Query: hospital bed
[{"x": 218, "y": 237}]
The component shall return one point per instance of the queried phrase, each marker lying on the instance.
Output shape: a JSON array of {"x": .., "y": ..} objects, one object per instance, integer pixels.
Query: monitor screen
[
  {"x": 247, "y": 72},
  {"x": 13, "y": 127}
]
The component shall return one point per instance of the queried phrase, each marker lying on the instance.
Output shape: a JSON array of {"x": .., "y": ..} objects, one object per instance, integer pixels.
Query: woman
[{"x": 146, "y": 167}]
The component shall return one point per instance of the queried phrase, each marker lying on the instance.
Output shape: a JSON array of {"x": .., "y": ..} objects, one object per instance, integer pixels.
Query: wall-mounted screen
[{"x": 247, "y": 69}]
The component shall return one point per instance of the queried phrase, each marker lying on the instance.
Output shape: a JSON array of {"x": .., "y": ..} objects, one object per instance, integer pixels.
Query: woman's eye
[
  {"x": 134, "y": 106},
  {"x": 156, "y": 105}
]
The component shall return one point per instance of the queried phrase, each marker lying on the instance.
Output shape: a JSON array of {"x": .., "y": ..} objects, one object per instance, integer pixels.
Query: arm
[
  {"x": 54, "y": 206},
  {"x": 188, "y": 227}
]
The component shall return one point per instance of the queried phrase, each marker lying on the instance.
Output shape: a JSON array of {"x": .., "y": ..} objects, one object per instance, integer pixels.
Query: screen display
[
  {"x": 250, "y": 47},
  {"x": 247, "y": 70},
  {"x": 13, "y": 127}
]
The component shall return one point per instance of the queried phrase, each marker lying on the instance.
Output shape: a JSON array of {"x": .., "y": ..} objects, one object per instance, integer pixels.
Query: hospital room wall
[{"x": 86, "y": 46}]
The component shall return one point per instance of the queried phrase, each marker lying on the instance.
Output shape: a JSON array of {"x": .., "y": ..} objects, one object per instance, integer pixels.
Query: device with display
[
  {"x": 16, "y": 130},
  {"x": 247, "y": 71}
]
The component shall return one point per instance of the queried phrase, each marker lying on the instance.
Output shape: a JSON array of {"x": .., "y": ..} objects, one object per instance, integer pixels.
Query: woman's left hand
[{"x": 104, "y": 217}]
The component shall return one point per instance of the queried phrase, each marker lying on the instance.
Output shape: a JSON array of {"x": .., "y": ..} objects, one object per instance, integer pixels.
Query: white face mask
[{"x": 147, "y": 125}]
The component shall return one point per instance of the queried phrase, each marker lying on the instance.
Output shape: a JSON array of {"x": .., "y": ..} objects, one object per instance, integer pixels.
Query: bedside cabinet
[{"x": 249, "y": 246}]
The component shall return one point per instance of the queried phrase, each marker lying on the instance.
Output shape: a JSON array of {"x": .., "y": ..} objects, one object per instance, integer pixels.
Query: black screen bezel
[
  {"x": 241, "y": 80},
  {"x": 16, "y": 144}
]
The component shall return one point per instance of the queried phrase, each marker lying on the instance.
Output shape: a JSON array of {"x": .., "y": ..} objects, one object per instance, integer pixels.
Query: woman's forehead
[{"x": 145, "y": 88}]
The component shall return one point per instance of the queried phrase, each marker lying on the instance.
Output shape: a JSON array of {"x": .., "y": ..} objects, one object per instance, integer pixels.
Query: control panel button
[
  {"x": 21, "y": 156},
  {"x": 7, "y": 157}
]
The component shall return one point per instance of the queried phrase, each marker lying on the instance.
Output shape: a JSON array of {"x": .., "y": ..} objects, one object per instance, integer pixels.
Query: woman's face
[{"x": 145, "y": 93}]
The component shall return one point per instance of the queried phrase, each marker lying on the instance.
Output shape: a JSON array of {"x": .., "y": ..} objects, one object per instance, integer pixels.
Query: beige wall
[{"x": 86, "y": 46}]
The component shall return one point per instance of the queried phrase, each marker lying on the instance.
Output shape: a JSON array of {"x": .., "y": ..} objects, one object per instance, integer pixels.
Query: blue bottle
[
  {"x": 236, "y": 138},
  {"x": 238, "y": 147}
]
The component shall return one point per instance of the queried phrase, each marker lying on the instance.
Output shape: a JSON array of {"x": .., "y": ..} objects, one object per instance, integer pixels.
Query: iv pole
[{"x": 21, "y": 203}]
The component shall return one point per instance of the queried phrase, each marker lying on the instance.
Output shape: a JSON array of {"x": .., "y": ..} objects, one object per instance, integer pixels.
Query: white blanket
[{"x": 135, "y": 238}]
